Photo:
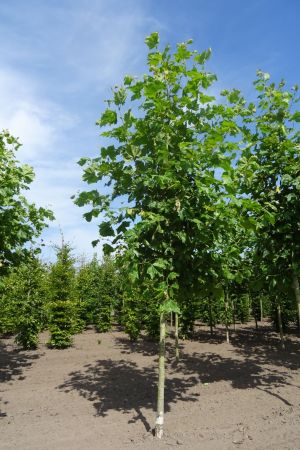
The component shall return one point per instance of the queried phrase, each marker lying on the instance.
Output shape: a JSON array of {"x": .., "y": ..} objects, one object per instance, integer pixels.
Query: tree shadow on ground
[
  {"x": 242, "y": 374},
  {"x": 262, "y": 344},
  {"x": 254, "y": 352},
  {"x": 12, "y": 364},
  {"x": 125, "y": 387},
  {"x": 143, "y": 345},
  {"x": 2, "y": 414}
]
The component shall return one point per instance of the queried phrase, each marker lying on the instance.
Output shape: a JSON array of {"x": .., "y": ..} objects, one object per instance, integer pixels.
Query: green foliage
[
  {"x": 103, "y": 314},
  {"x": 109, "y": 295},
  {"x": 211, "y": 187},
  {"x": 187, "y": 323},
  {"x": 132, "y": 314},
  {"x": 28, "y": 329},
  {"x": 7, "y": 319},
  {"x": 288, "y": 311},
  {"x": 241, "y": 306},
  {"x": 200, "y": 202},
  {"x": 165, "y": 161},
  {"x": 98, "y": 289},
  {"x": 62, "y": 320},
  {"x": 88, "y": 289},
  {"x": 150, "y": 308},
  {"x": 20, "y": 221},
  {"x": 25, "y": 297},
  {"x": 269, "y": 172},
  {"x": 209, "y": 311},
  {"x": 61, "y": 323}
]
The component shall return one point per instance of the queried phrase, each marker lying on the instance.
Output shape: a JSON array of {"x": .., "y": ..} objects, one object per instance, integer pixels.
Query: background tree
[
  {"x": 270, "y": 176},
  {"x": 63, "y": 317},
  {"x": 88, "y": 290},
  {"x": 24, "y": 302},
  {"x": 109, "y": 295},
  {"x": 20, "y": 221}
]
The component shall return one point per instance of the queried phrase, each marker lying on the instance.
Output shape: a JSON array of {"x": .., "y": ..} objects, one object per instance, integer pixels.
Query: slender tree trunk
[
  {"x": 159, "y": 423},
  {"x": 255, "y": 319},
  {"x": 280, "y": 327},
  {"x": 226, "y": 316},
  {"x": 297, "y": 295},
  {"x": 176, "y": 337},
  {"x": 226, "y": 319},
  {"x": 171, "y": 319},
  {"x": 233, "y": 314},
  {"x": 210, "y": 319},
  {"x": 261, "y": 309},
  {"x": 227, "y": 334}
]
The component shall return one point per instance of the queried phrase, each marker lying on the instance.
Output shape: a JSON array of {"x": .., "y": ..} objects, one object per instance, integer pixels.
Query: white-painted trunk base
[{"x": 159, "y": 426}]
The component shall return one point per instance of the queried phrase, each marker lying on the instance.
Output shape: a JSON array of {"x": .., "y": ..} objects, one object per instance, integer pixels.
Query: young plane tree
[
  {"x": 167, "y": 202},
  {"x": 269, "y": 172}
]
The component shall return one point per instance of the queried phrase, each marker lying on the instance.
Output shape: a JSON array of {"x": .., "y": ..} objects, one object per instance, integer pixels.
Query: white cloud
[
  {"x": 107, "y": 42},
  {"x": 38, "y": 122},
  {"x": 49, "y": 83}
]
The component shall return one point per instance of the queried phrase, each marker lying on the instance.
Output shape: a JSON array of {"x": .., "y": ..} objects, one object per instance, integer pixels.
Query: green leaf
[
  {"x": 133, "y": 275},
  {"x": 109, "y": 151},
  {"x": 160, "y": 263},
  {"x": 169, "y": 306},
  {"x": 152, "y": 272},
  {"x": 172, "y": 276},
  {"x": 109, "y": 117},
  {"x": 105, "y": 229},
  {"x": 123, "y": 226},
  {"x": 107, "y": 249},
  {"x": 119, "y": 98},
  {"x": 218, "y": 292},
  {"x": 82, "y": 161},
  {"x": 296, "y": 116},
  {"x": 128, "y": 79},
  {"x": 203, "y": 57},
  {"x": 152, "y": 41}
]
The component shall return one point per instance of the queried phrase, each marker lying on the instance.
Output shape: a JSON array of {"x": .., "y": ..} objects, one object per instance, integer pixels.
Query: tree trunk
[
  {"x": 176, "y": 338},
  {"x": 227, "y": 334},
  {"x": 280, "y": 327},
  {"x": 255, "y": 319},
  {"x": 210, "y": 319},
  {"x": 261, "y": 309},
  {"x": 159, "y": 423},
  {"x": 171, "y": 319},
  {"x": 226, "y": 319},
  {"x": 233, "y": 314},
  {"x": 297, "y": 295}
]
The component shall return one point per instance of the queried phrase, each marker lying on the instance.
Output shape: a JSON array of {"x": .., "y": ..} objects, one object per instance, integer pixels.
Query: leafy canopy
[
  {"x": 169, "y": 143},
  {"x": 20, "y": 221}
]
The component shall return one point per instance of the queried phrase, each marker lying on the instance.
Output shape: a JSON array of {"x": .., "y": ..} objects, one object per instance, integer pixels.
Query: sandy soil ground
[{"x": 101, "y": 394}]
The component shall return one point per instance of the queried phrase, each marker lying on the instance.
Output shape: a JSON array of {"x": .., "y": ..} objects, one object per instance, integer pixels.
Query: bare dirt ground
[{"x": 101, "y": 394}]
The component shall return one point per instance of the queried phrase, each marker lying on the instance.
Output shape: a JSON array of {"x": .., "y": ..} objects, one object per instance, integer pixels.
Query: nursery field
[{"x": 101, "y": 393}]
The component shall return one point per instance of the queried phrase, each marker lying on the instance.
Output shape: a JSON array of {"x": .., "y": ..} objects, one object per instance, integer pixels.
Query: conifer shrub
[{"x": 62, "y": 306}]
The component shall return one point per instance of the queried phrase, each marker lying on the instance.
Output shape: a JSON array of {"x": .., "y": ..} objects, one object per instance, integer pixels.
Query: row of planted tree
[
  {"x": 198, "y": 198},
  {"x": 65, "y": 298}
]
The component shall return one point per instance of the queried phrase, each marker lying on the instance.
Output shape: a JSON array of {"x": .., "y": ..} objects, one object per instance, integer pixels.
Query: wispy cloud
[
  {"x": 58, "y": 62},
  {"x": 38, "y": 122}
]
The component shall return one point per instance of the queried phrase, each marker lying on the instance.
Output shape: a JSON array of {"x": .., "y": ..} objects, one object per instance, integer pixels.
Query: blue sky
[{"x": 59, "y": 59}]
